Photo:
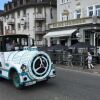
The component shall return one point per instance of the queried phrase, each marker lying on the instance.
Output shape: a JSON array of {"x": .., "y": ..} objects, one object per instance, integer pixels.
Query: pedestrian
[
  {"x": 70, "y": 57},
  {"x": 89, "y": 59},
  {"x": 9, "y": 46},
  {"x": 14, "y": 44}
]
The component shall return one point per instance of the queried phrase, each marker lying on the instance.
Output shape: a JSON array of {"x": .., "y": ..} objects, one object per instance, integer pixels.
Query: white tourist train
[{"x": 23, "y": 63}]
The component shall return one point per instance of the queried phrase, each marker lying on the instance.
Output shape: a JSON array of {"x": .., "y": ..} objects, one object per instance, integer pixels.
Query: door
[
  {"x": 2, "y": 60},
  {"x": 1, "y": 53}
]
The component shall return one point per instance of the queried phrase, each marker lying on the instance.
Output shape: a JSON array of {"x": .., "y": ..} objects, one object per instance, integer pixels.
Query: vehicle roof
[{"x": 13, "y": 35}]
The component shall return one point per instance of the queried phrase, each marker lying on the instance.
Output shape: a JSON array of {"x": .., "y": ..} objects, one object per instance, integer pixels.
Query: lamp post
[
  {"x": 94, "y": 21},
  {"x": 78, "y": 35}
]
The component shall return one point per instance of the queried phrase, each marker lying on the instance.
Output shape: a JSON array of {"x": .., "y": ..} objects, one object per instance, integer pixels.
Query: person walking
[
  {"x": 89, "y": 59},
  {"x": 70, "y": 57}
]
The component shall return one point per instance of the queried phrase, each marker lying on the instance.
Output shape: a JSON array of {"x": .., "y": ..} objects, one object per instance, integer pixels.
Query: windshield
[{"x": 15, "y": 42}]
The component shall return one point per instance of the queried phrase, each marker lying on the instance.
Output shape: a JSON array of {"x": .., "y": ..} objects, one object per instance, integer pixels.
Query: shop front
[
  {"x": 62, "y": 37},
  {"x": 73, "y": 31}
]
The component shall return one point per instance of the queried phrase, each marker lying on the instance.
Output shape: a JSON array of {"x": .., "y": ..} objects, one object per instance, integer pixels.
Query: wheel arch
[{"x": 11, "y": 71}]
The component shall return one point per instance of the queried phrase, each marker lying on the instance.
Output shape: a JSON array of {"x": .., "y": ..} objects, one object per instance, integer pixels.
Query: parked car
[{"x": 23, "y": 63}]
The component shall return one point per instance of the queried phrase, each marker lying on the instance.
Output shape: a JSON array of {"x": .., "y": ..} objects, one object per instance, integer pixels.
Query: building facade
[
  {"x": 77, "y": 21},
  {"x": 29, "y": 17},
  {"x": 1, "y": 23}
]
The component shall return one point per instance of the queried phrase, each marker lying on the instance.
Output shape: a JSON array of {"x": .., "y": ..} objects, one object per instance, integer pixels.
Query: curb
[{"x": 89, "y": 71}]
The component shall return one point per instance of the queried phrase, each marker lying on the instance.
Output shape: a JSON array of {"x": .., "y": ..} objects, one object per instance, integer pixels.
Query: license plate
[{"x": 30, "y": 83}]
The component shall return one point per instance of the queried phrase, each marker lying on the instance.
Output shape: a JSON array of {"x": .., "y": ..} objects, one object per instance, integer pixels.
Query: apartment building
[
  {"x": 77, "y": 21},
  {"x": 29, "y": 17},
  {"x": 1, "y": 23}
]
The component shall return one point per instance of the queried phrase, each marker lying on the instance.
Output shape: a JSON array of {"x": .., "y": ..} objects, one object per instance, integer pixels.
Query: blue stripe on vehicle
[{"x": 6, "y": 64}]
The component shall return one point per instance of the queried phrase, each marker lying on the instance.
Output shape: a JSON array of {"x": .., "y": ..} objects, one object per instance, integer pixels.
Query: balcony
[
  {"x": 9, "y": 31},
  {"x": 75, "y": 22},
  {"x": 39, "y": 43},
  {"x": 40, "y": 30},
  {"x": 11, "y": 22},
  {"x": 40, "y": 17}
]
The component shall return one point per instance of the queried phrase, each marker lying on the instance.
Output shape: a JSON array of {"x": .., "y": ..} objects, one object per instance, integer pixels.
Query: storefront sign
[
  {"x": 68, "y": 23},
  {"x": 72, "y": 22}
]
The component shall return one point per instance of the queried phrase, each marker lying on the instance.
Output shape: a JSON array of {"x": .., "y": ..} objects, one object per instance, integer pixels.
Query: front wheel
[{"x": 16, "y": 80}]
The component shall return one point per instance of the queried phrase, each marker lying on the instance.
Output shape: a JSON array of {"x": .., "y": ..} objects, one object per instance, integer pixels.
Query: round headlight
[{"x": 23, "y": 68}]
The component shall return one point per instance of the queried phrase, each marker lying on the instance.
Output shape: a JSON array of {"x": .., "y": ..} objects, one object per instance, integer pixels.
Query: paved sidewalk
[{"x": 96, "y": 70}]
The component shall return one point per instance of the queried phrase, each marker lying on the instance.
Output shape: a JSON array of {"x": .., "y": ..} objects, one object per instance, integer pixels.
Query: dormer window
[
  {"x": 64, "y": 1},
  {"x": 97, "y": 10},
  {"x": 65, "y": 15},
  {"x": 90, "y": 11},
  {"x": 78, "y": 13}
]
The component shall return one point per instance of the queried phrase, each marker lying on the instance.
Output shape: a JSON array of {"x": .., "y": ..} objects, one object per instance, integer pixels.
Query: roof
[{"x": 32, "y": 3}]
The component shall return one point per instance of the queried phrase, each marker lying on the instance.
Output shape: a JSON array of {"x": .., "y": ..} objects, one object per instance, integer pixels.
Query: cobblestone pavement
[{"x": 96, "y": 70}]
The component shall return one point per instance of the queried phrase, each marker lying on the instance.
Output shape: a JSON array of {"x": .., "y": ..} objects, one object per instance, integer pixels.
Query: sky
[{"x": 2, "y": 3}]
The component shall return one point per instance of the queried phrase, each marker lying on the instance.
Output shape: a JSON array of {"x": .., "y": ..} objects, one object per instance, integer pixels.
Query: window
[
  {"x": 8, "y": 27},
  {"x": 13, "y": 43},
  {"x": 39, "y": 24},
  {"x": 51, "y": 13},
  {"x": 21, "y": 2},
  {"x": 24, "y": 13},
  {"x": 1, "y": 44},
  {"x": 97, "y": 10},
  {"x": 98, "y": 40},
  {"x": 90, "y": 11},
  {"x": 27, "y": 1},
  {"x": 19, "y": 26},
  {"x": 18, "y": 14},
  {"x": 64, "y": 17},
  {"x": 12, "y": 16},
  {"x": 94, "y": 10},
  {"x": 78, "y": 13},
  {"x": 87, "y": 37},
  {"x": 74, "y": 39},
  {"x": 39, "y": 10},
  {"x": 64, "y": 1},
  {"x": 13, "y": 27},
  {"x": 7, "y": 17},
  {"x": 25, "y": 25}
]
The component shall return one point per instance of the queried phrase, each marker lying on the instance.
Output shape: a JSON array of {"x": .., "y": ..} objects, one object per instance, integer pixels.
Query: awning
[{"x": 60, "y": 33}]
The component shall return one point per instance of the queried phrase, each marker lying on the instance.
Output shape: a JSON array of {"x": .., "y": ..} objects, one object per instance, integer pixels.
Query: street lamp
[{"x": 78, "y": 35}]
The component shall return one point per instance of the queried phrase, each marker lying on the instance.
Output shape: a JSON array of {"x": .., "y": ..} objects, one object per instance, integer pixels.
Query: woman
[{"x": 89, "y": 58}]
